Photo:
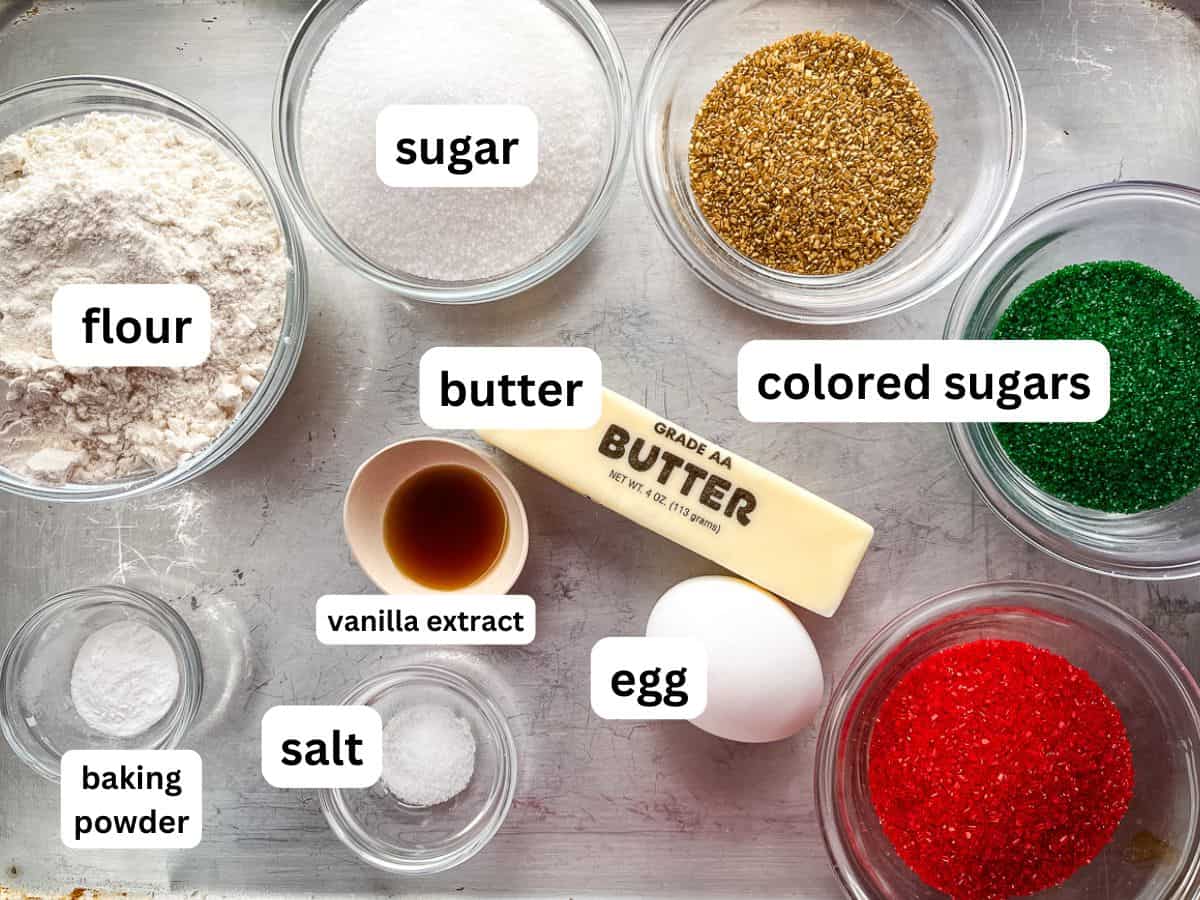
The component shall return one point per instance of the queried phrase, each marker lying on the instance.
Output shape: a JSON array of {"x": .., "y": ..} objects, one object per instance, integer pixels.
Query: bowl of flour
[{"x": 108, "y": 181}]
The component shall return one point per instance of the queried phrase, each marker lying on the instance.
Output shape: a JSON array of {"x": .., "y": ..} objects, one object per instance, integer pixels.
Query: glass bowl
[
  {"x": 409, "y": 840},
  {"x": 307, "y": 45},
  {"x": 1158, "y": 699},
  {"x": 36, "y": 713},
  {"x": 1155, "y": 224},
  {"x": 955, "y": 57},
  {"x": 69, "y": 97}
]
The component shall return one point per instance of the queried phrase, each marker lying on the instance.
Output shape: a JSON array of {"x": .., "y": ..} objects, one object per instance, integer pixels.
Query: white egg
[{"x": 764, "y": 676}]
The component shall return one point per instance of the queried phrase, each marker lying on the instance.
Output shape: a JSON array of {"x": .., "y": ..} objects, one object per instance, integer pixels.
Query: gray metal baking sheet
[{"x": 602, "y": 808}]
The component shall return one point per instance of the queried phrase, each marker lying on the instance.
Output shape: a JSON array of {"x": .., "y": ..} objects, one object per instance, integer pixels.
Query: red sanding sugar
[{"x": 997, "y": 769}]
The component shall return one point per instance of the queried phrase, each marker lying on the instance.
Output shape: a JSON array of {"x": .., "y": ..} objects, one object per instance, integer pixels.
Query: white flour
[
  {"x": 113, "y": 199},
  {"x": 454, "y": 52},
  {"x": 125, "y": 678}
]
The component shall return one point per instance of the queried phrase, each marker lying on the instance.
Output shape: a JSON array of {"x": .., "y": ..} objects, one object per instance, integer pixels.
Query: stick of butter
[{"x": 676, "y": 483}]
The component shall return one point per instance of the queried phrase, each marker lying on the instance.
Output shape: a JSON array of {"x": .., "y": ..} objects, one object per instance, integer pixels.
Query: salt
[
  {"x": 454, "y": 52},
  {"x": 428, "y": 755}
]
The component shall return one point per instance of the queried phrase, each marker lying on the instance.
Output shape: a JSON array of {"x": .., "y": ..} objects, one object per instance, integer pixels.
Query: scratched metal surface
[{"x": 602, "y": 808}]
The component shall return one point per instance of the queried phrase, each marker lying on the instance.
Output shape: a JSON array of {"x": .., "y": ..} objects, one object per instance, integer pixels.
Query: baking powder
[
  {"x": 454, "y": 52},
  {"x": 125, "y": 678},
  {"x": 128, "y": 199}
]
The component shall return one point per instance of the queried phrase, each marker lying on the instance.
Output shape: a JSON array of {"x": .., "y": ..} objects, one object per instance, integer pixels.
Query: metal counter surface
[{"x": 602, "y": 808}]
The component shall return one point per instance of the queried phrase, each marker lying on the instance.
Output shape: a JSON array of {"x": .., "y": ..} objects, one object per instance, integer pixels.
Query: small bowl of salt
[
  {"x": 98, "y": 668},
  {"x": 449, "y": 773}
]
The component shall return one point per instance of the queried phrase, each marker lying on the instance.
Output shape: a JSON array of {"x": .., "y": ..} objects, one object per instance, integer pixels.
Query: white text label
[
  {"x": 649, "y": 678},
  {"x": 923, "y": 381}
]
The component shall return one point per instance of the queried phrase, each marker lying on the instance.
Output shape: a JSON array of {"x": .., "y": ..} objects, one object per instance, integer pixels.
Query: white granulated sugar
[
  {"x": 428, "y": 755},
  {"x": 454, "y": 52},
  {"x": 124, "y": 680},
  {"x": 120, "y": 199}
]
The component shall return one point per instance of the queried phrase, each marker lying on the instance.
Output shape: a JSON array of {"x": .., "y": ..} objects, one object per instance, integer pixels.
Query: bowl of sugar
[
  {"x": 449, "y": 773},
  {"x": 459, "y": 219}
]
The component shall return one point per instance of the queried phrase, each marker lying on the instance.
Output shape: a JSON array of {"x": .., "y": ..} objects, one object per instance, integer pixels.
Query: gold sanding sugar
[{"x": 813, "y": 155}]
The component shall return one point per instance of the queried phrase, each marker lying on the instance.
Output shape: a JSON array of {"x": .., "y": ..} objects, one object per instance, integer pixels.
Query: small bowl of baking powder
[{"x": 98, "y": 668}]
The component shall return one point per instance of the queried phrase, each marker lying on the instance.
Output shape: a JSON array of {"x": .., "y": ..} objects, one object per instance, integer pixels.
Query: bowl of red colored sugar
[{"x": 1013, "y": 739}]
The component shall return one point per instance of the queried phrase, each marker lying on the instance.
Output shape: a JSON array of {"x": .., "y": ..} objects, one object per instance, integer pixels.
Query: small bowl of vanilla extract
[{"x": 431, "y": 515}]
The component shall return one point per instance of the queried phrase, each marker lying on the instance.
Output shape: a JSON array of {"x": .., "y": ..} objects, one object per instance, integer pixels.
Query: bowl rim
[
  {"x": 290, "y": 87},
  {"x": 294, "y": 323},
  {"x": 191, "y": 669},
  {"x": 816, "y": 300},
  {"x": 967, "y": 297},
  {"x": 976, "y": 598},
  {"x": 430, "y": 673}
]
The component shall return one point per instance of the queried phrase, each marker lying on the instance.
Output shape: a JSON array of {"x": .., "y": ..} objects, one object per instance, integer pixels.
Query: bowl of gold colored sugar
[{"x": 829, "y": 163}]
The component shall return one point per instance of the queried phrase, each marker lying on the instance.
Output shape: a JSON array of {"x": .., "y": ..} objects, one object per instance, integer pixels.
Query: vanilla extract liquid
[{"x": 445, "y": 527}]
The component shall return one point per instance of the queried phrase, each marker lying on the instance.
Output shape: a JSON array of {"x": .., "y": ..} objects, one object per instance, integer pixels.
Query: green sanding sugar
[{"x": 1146, "y": 452}]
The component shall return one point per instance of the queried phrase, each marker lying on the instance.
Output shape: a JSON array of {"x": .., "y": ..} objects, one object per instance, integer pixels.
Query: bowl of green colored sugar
[{"x": 1115, "y": 263}]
